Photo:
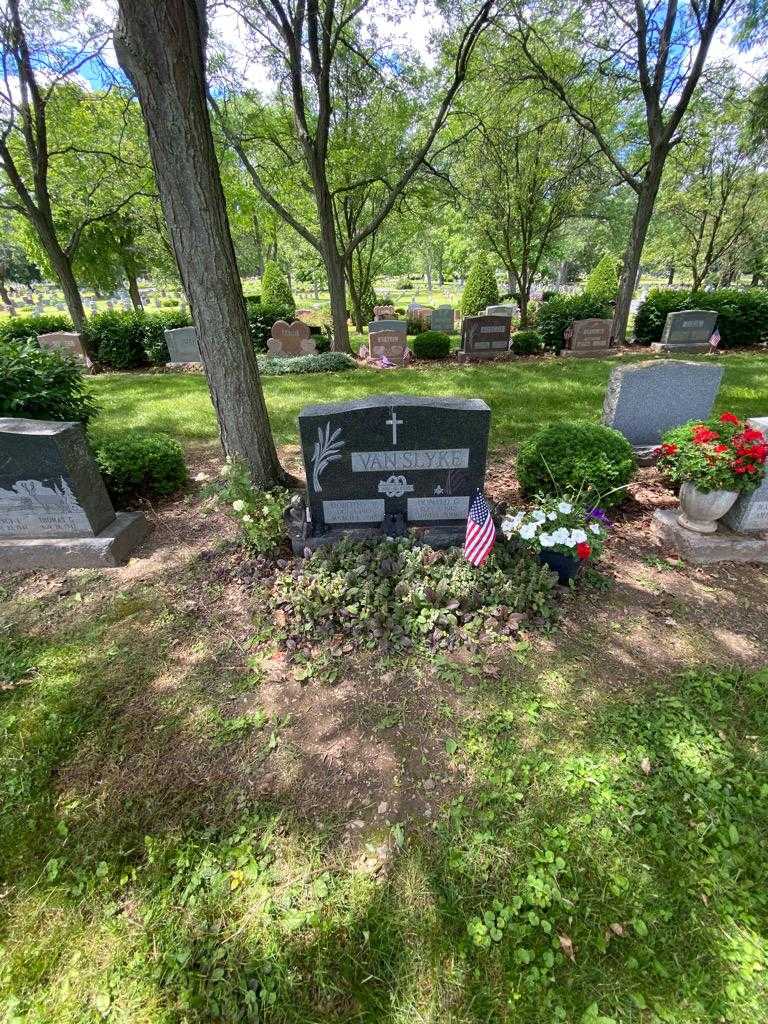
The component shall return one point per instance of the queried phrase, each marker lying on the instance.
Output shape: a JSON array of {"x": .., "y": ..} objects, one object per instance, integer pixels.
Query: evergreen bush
[
  {"x": 41, "y": 384},
  {"x": 558, "y": 313},
  {"x": 431, "y": 345},
  {"x": 275, "y": 291},
  {"x": 19, "y": 328},
  {"x": 603, "y": 280},
  {"x": 527, "y": 343},
  {"x": 138, "y": 464},
  {"x": 742, "y": 314},
  {"x": 481, "y": 289},
  {"x": 586, "y": 459}
]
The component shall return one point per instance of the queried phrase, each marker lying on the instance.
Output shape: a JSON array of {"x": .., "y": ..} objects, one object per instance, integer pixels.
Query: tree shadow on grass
[{"x": 561, "y": 841}]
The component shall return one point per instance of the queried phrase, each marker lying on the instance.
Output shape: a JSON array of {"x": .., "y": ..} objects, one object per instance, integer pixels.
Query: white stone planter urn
[{"x": 700, "y": 510}]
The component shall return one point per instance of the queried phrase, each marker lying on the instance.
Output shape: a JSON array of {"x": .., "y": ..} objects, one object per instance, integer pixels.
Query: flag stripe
[{"x": 481, "y": 533}]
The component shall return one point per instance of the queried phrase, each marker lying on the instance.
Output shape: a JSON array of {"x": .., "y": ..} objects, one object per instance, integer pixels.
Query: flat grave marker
[{"x": 589, "y": 337}]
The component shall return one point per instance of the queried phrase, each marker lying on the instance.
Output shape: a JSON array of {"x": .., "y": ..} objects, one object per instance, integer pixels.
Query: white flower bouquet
[{"x": 559, "y": 526}]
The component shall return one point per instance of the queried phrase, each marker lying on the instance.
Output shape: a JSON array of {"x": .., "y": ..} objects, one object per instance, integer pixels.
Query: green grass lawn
[{"x": 522, "y": 395}]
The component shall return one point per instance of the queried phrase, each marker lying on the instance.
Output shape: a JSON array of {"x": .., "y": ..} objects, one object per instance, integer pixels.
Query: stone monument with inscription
[
  {"x": 485, "y": 337},
  {"x": 54, "y": 508},
  {"x": 644, "y": 400},
  {"x": 443, "y": 319},
  {"x": 388, "y": 325},
  {"x": 750, "y": 513},
  {"x": 290, "y": 340},
  {"x": 687, "y": 331},
  {"x": 590, "y": 337},
  {"x": 68, "y": 343},
  {"x": 387, "y": 463},
  {"x": 391, "y": 345},
  {"x": 183, "y": 346}
]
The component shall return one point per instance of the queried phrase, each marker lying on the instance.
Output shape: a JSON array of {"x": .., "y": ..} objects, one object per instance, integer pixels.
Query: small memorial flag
[
  {"x": 714, "y": 341},
  {"x": 481, "y": 533}
]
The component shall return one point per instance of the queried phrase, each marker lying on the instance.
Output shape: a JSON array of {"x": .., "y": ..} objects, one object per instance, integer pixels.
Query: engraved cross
[{"x": 393, "y": 422}]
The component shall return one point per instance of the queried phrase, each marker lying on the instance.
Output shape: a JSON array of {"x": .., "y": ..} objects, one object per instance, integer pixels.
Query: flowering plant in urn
[
  {"x": 719, "y": 454},
  {"x": 559, "y": 529}
]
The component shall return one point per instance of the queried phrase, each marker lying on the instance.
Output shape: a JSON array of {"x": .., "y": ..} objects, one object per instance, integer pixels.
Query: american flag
[
  {"x": 714, "y": 341},
  {"x": 481, "y": 533}
]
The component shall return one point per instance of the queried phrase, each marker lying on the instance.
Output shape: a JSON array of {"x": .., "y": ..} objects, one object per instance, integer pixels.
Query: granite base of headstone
[
  {"x": 385, "y": 464},
  {"x": 289, "y": 341},
  {"x": 591, "y": 337},
  {"x": 644, "y": 400},
  {"x": 485, "y": 337},
  {"x": 706, "y": 548},
  {"x": 750, "y": 513},
  {"x": 68, "y": 343},
  {"x": 55, "y": 512},
  {"x": 687, "y": 331},
  {"x": 183, "y": 346}
]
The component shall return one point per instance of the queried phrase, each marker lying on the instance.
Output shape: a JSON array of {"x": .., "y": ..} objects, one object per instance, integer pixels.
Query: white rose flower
[
  {"x": 565, "y": 507},
  {"x": 539, "y": 517},
  {"x": 528, "y": 532},
  {"x": 579, "y": 536},
  {"x": 561, "y": 536},
  {"x": 546, "y": 540},
  {"x": 238, "y": 505},
  {"x": 510, "y": 524},
  {"x": 570, "y": 541},
  {"x": 552, "y": 516},
  {"x": 595, "y": 529}
]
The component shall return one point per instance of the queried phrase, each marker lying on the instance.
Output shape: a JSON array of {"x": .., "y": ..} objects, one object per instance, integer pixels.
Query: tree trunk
[
  {"x": 133, "y": 291},
  {"x": 259, "y": 242},
  {"x": 428, "y": 271},
  {"x": 6, "y": 297},
  {"x": 640, "y": 221},
  {"x": 62, "y": 268},
  {"x": 334, "y": 268},
  {"x": 523, "y": 303},
  {"x": 671, "y": 275},
  {"x": 161, "y": 47}
]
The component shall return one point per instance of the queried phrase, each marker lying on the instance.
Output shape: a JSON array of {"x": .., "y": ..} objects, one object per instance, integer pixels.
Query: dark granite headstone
[
  {"x": 183, "y": 346},
  {"x": 643, "y": 400},
  {"x": 687, "y": 331},
  {"x": 54, "y": 508},
  {"x": 387, "y": 458},
  {"x": 750, "y": 513},
  {"x": 483, "y": 337},
  {"x": 388, "y": 325},
  {"x": 590, "y": 337},
  {"x": 443, "y": 319},
  {"x": 67, "y": 343}
]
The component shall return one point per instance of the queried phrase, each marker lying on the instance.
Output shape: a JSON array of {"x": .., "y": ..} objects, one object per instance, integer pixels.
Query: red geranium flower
[
  {"x": 728, "y": 417},
  {"x": 702, "y": 434},
  {"x": 669, "y": 449},
  {"x": 721, "y": 447},
  {"x": 750, "y": 434},
  {"x": 583, "y": 550}
]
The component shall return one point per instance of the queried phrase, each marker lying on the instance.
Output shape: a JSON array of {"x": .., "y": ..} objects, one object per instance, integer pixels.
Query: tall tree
[
  {"x": 319, "y": 55},
  {"x": 654, "y": 53},
  {"x": 161, "y": 46}
]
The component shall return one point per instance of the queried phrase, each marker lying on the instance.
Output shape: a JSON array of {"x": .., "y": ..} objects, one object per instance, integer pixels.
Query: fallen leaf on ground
[
  {"x": 566, "y": 944},
  {"x": 645, "y": 766}
]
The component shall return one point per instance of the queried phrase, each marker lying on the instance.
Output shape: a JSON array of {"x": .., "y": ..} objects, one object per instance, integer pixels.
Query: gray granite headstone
[
  {"x": 393, "y": 457},
  {"x": 687, "y": 331},
  {"x": 442, "y": 319},
  {"x": 503, "y": 310},
  {"x": 644, "y": 400},
  {"x": 67, "y": 343},
  {"x": 183, "y": 346},
  {"x": 49, "y": 483},
  {"x": 750, "y": 513},
  {"x": 388, "y": 325},
  {"x": 484, "y": 337},
  {"x": 54, "y": 508}
]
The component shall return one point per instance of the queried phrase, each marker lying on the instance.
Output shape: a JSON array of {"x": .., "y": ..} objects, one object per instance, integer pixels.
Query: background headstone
[
  {"x": 182, "y": 345},
  {"x": 388, "y": 325},
  {"x": 290, "y": 340},
  {"x": 54, "y": 508},
  {"x": 420, "y": 459},
  {"x": 392, "y": 345},
  {"x": 503, "y": 310},
  {"x": 644, "y": 400},
  {"x": 687, "y": 331},
  {"x": 67, "y": 342},
  {"x": 383, "y": 312},
  {"x": 750, "y": 513},
  {"x": 484, "y": 337},
  {"x": 590, "y": 337},
  {"x": 443, "y": 319}
]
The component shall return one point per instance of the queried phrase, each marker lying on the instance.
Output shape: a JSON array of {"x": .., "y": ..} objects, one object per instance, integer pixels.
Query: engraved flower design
[{"x": 327, "y": 449}]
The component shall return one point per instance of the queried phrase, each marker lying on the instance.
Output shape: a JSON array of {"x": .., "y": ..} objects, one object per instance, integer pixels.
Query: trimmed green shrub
[
  {"x": 117, "y": 337},
  {"x": 431, "y": 345},
  {"x": 403, "y": 595},
  {"x": 325, "y": 362},
  {"x": 17, "y": 328},
  {"x": 527, "y": 343},
  {"x": 603, "y": 280},
  {"x": 139, "y": 464},
  {"x": 42, "y": 384},
  {"x": 577, "y": 458},
  {"x": 275, "y": 290},
  {"x": 742, "y": 314},
  {"x": 481, "y": 289},
  {"x": 262, "y": 318},
  {"x": 558, "y": 313}
]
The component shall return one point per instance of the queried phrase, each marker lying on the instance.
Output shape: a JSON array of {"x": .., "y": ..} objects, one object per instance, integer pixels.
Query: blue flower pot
[{"x": 567, "y": 568}]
